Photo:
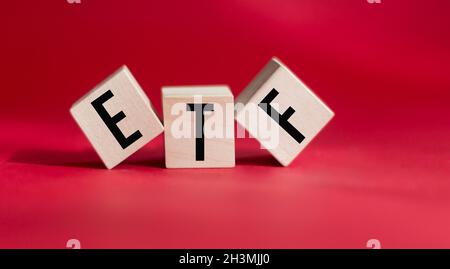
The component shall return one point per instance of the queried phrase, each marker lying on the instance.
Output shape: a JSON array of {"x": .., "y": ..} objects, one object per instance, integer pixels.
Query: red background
[{"x": 379, "y": 170}]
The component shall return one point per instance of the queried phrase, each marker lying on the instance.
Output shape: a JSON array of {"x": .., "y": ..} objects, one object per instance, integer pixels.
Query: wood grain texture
[
  {"x": 180, "y": 149},
  {"x": 309, "y": 117},
  {"x": 129, "y": 98}
]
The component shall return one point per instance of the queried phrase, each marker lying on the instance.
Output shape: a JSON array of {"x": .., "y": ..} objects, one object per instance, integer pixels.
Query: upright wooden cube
[
  {"x": 274, "y": 90},
  {"x": 117, "y": 117},
  {"x": 199, "y": 126}
]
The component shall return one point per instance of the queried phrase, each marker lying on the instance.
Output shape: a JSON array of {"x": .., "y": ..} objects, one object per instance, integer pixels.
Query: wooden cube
[
  {"x": 295, "y": 113},
  {"x": 198, "y": 126},
  {"x": 117, "y": 117}
]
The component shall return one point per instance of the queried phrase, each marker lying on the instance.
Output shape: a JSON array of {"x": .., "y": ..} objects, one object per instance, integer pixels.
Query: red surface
[{"x": 381, "y": 169}]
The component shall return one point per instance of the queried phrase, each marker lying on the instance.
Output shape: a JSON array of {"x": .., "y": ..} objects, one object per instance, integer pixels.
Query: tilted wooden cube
[
  {"x": 199, "y": 126},
  {"x": 295, "y": 114},
  {"x": 117, "y": 117}
]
